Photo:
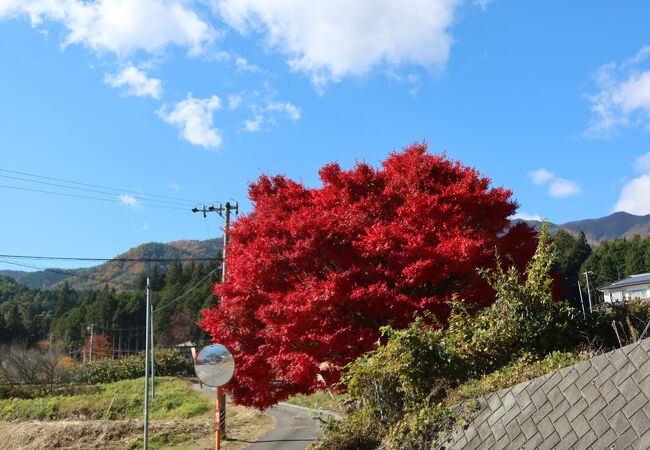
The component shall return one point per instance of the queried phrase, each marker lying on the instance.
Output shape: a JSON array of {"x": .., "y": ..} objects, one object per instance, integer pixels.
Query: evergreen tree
[{"x": 63, "y": 304}]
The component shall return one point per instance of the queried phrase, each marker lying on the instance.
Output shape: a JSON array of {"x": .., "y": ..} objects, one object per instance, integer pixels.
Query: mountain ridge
[
  {"x": 613, "y": 226},
  {"x": 117, "y": 272}
]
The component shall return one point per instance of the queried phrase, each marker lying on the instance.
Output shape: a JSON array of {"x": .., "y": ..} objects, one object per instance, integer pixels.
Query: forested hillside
[
  {"x": 614, "y": 226},
  {"x": 122, "y": 269},
  {"x": 63, "y": 315},
  {"x": 63, "y": 312}
]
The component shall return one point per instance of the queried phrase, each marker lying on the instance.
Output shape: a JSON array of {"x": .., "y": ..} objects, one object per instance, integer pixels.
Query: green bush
[
  {"x": 401, "y": 385},
  {"x": 419, "y": 428},
  {"x": 631, "y": 318},
  {"x": 167, "y": 363},
  {"x": 360, "y": 430}
]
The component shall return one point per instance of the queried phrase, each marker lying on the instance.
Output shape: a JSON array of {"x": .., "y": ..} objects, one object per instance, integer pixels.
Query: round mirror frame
[{"x": 214, "y": 365}]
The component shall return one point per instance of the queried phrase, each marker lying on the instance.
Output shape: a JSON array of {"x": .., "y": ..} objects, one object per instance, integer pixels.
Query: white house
[{"x": 634, "y": 286}]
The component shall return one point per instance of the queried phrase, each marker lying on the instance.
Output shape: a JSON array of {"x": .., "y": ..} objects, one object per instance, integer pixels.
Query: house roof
[{"x": 642, "y": 278}]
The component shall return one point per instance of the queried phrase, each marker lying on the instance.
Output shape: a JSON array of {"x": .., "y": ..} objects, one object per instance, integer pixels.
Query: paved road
[{"x": 295, "y": 427}]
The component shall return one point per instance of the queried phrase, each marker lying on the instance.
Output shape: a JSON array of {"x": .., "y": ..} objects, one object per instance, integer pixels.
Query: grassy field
[{"x": 110, "y": 417}]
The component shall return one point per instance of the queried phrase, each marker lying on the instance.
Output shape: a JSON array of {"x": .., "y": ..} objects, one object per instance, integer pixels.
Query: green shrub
[
  {"x": 401, "y": 385},
  {"x": 420, "y": 428},
  {"x": 360, "y": 430},
  {"x": 167, "y": 363},
  {"x": 631, "y": 317}
]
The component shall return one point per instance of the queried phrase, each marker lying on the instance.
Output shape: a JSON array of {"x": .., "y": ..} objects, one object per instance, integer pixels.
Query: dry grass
[
  {"x": 181, "y": 419},
  {"x": 244, "y": 425}
]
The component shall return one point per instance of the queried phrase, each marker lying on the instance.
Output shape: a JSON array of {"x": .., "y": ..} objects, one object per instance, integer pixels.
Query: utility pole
[
  {"x": 220, "y": 400},
  {"x": 153, "y": 370},
  {"x": 224, "y": 211},
  {"x": 582, "y": 302},
  {"x": 586, "y": 274},
  {"x": 146, "y": 367},
  {"x": 90, "y": 352}
]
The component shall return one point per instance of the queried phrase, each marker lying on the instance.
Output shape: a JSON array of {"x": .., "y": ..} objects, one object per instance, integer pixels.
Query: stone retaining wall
[{"x": 601, "y": 403}]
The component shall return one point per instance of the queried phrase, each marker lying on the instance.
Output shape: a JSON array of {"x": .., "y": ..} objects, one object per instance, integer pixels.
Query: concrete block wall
[{"x": 602, "y": 403}]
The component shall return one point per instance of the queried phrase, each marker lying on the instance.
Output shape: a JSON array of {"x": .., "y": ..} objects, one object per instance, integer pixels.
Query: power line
[
  {"x": 141, "y": 196},
  {"x": 61, "y": 272},
  {"x": 159, "y": 308},
  {"x": 87, "y": 197},
  {"x": 101, "y": 187},
  {"x": 69, "y": 258}
]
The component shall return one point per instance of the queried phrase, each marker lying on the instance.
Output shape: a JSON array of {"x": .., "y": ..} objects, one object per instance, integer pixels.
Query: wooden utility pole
[{"x": 220, "y": 400}]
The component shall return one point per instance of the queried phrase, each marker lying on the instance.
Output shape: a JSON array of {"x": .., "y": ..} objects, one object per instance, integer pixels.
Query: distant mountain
[
  {"x": 120, "y": 271},
  {"x": 616, "y": 225}
]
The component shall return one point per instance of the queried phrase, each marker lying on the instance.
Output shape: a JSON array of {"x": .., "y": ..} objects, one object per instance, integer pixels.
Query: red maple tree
[
  {"x": 101, "y": 347},
  {"x": 314, "y": 273}
]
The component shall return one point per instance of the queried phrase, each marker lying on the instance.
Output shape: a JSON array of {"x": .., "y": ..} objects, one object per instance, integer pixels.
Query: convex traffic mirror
[{"x": 214, "y": 365}]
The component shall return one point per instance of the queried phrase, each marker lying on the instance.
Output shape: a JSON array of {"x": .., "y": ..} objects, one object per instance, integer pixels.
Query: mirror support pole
[{"x": 217, "y": 419}]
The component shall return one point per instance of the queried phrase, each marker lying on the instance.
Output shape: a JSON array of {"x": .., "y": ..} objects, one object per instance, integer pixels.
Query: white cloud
[
  {"x": 561, "y": 188},
  {"x": 557, "y": 187},
  {"x": 130, "y": 200},
  {"x": 194, "y": 118},
  {"x": 541, "y": 176},
  {"x": 623, "y": 96},
  {"x": 483, "y": 4},
  {"x": 292, "y": 111},
  {"x": 119, "y": 26},
  {"x": 136, "y": 82},
  {"x": 635, "y": 194},
  {"x": 243, "y": 65},
  {"x": 332, "y": 39},
  {"x": 524, "y": 216},
  {"x": 254, "y": 125},
  {"x": 642, "y": 163},
  {"x": 174, "y": 187},
  {"x": 268, "y": 112},
  {"x": 234, "y": 101}
]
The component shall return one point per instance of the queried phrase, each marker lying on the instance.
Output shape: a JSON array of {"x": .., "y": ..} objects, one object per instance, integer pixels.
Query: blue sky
[{"x": 195, "y": 99}]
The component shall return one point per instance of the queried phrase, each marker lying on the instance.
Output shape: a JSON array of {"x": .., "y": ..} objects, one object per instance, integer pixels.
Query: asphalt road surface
[{"x": 295, "y": 428}]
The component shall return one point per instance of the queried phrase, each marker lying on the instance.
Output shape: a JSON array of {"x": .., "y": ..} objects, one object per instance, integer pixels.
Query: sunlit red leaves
[{"x": 314, "y": 273}]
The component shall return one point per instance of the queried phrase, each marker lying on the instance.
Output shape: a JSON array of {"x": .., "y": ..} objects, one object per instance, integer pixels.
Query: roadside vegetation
[
  {"x": 320, "y": 400},
  {"x": 121, "y": 400},
  {"x": 110, "y": 416},
  {"x": 425, "y": 379}
]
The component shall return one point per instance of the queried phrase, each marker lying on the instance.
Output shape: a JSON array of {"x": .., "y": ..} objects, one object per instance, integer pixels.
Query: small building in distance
[{"x": 634, "y": 286}]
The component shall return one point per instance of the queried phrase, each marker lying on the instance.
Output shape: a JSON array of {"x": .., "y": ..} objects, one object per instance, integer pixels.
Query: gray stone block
[
  {"x": 595, "y": 404},
  {"x": 550, "y": 442},
  {"x": 639, "y": 422},
  {"x": 606, "y": 439},
  {"x": 585, "y": 441},
  {"x": 626, "y": 439},
  {"x": 562, "y": 426},
  {"x": 643, "y": 443},
  {"x": 634, "y": 405},
  {"x": 580, "y": 426},
  {"x": 594, "y": 408},
  {"x": 629, "y": 389},
  {"x": 619, "y": 423},
  {"x": 569, "y": 440}
]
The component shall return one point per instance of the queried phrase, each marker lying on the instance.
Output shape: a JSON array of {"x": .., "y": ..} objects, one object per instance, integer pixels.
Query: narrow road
[{"x": 295, "y": 428}]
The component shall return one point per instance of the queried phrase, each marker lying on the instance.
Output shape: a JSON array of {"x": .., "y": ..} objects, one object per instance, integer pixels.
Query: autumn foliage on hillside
[{"x": 314, "y": 273}]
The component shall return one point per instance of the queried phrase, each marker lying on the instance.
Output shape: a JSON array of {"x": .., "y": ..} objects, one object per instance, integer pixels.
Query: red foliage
[
  {"x": 101, "y": 348},
  {"x": 314, "y": 273}
]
